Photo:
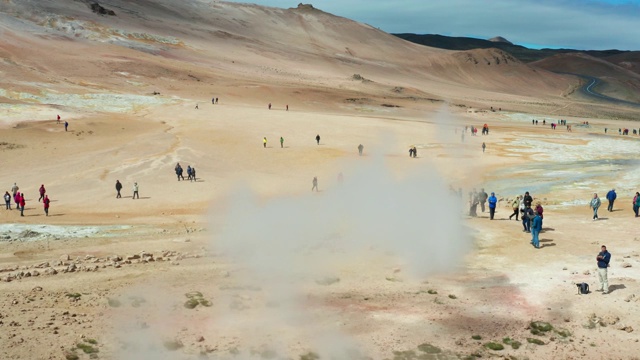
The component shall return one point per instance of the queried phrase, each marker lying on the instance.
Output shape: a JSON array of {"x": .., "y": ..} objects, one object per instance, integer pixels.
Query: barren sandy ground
[{"x": 360, "y": 269}]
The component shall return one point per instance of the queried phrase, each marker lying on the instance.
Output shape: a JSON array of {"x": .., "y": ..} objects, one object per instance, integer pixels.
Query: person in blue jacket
[
  {"x": 603, "y": 259},
  {"x": 493, "y": 201},
  {"x": 536, "y": 226},
  {"x": 611, "y": 196}
]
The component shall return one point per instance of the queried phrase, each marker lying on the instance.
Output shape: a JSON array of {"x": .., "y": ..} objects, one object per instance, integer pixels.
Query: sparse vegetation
[
  {"x": 540, "y": 327},
  {"x": 74, "y": 296},
  {"x": 196, "y": 298},
  {"x": 91, "y": 341},
  {"x": 86, "y": 348},
  {"x": 173, "y": 345},
  {"x": 563, "y": 332},
  {"x": 535, "y": 341},
  {"x": 114, "y": 302},
  {"x": 514, "y": 343},
  {"x": 71, "y": 356},
  {"x": 310, "y": 356},
  {"x": 429, "y": 349},
  {"x": 432, "y": 292},
  {"x": 476, "y": 337},
  {"x": 494, "y": 346},
  {"x": 451, "y": 296}
]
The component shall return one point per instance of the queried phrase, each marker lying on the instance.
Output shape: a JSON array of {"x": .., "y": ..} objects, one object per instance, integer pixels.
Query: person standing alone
[
  {"x": 315, "y": 184},
  {"x": 595, "y": 204},
  {"x": 22, "y": 204},
  {"x": 603, "y": 259},
  {"x": 493, "y": 201},
  {"x": 611, "y": 197},
  {"x": 264, "y": 142},
  {"x": 118, "y": 188},
  {"x": 360, "y": 149},
  {"x": 318, "y": 139},
  {"x": 281, "y": 142},
  {"x": 7, "y": 200},
  {"x": 135, "y": 191},
  {"x": 636, "y": 203}
]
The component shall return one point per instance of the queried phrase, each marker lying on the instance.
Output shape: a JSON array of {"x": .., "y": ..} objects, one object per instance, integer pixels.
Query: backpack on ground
[{"x": 583, "y": 288}]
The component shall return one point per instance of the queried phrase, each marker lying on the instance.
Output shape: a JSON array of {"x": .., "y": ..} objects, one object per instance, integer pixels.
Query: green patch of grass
[
  {"x": 563, "y": 332},
  {"x": 86, "y": 348},
  {"x": 451, "y": 296},
  {"x": 476, "y": 337},
  {"x": 429, "y": 349},
  {"x": 71, "y": 356},
  {"x": 114, "y": 302},
  {"x": 494, "y": 346},
  {"x": 91, "y": 341},
  {"x": 438, "y": 301},
  {"x": 310, "y": 356},
  {"x": 432, "y": 292},
  {"x": 191, "y": 304},
  {"x": 404, "y": 355},
  {"x": 589, "y": 325},
  {"x": 172, "y": 345},
  {"x": 74, "y": 295},
  {"x": 535, "y": 341},
  {"x": 592, "y": 344},
  {"x": 514, "y": 344},
  {"x": 193, "y": 294},
  {"x": 539, "y": 327},
  {"x": 205, "y": 302}
]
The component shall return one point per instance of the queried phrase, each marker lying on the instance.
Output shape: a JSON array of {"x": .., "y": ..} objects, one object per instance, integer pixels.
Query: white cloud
[{"x": 578, "y": 24}]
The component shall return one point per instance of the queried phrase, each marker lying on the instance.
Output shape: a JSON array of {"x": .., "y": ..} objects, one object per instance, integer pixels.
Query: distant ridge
[{"x": 520, "y": 52}]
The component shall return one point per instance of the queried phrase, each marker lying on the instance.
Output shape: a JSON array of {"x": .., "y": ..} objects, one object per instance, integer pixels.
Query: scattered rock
[
  {"x": 626, "y": 265},
  {"x": 65, "y": 257},
  {"x": 586, "y": 272},
  {"x": 200, "y": 339}
]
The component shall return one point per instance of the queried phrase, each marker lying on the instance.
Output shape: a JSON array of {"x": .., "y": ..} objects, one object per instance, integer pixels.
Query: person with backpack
[
  {"x": 46, "y": 202},
  {"x": 493, "y": 202},
  {"x": 42, "y": 192},
  {"x": 595, "y": 204},
  {"x": 603, "y": 259},
  {"x": 611, "y": 197},
  {"x": 118, "y": 188},
  {"x": 536, "y": 227},
  {"x": 7, "y": 200}
]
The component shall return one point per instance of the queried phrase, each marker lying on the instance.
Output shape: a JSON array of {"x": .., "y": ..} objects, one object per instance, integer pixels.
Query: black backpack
[{"x": 583, "y": 288}]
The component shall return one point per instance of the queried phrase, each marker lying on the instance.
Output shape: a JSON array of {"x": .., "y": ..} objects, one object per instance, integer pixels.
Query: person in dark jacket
[
  {"x": 118, "y": 188},
  {"x": 483, "y": 198},
  {"x": 535, "y": 230},
  {"x": 527, "y": 199},
  {"x": 493, "y": 202},
  {"x": 527, "y": 216},
  {"x": 318, "y": 139},
  {"x": 611, "y": 196},
  {"x": 603, "y": 259},
  {"x": 7, "y": 200}
]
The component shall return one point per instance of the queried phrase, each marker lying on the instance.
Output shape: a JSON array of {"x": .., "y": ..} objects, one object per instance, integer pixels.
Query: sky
[{"x": 576, "y": 24}]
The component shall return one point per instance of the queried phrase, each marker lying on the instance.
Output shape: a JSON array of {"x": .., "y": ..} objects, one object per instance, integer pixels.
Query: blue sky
[{"x": 578, "y": 24}]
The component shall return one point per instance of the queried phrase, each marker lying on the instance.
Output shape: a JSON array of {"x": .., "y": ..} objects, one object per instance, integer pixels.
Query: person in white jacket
[{"x": 135, "y": 191}]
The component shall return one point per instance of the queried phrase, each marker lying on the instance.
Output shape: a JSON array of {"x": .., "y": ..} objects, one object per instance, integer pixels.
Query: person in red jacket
[
  {"x": 46, "y": 202},
  {"x": 42, "y": 192},
  {"x": 22, "y": 203}
]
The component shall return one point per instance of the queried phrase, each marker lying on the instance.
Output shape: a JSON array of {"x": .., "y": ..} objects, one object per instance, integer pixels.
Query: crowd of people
[{"x": 20, "y": 200}]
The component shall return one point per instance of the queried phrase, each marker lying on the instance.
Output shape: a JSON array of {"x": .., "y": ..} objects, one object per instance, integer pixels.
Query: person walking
[
  {"x": 515, "y": 205},
  {"x": 269, "y": 106},
  {"x": 315, "y": 184},
  {"x": 536, "y": 226},
  {"x": 118, "y": 188},
  {"x": 493, "y": 202},
  {"x": 636, "y": 203},
  {"x": 539, "y": 209},
  {"x": 46, "y": 202},
  {"x": 484, "y": 146},
  {"x": 483, "y": 198},
  {"x": 281, "y": 142},
  {"x": 595, "y": 204},
  {"x": 264, "y": 142},
  {"x": 22, "y": 204},
  {"x": 66, "y": 125},
  {"x": 16, "y": 198},
  {"x": 42, "y": 192},
  {"x": 603, "y": 259},
  {"x": 318, "y": 139},
  {"x": 611, "y": 197},
  {"x": 7, "y": 200},
  {"x": 14, "y": 189},
  {"x": 189, "y": 172},
  {"x": 135, "y": 191},
  {"x": 193, "y": 174},
  {"x": 527, "y": 217},
  {"x": 415, "y": 152},
  {"x": 360, "y": 149}
]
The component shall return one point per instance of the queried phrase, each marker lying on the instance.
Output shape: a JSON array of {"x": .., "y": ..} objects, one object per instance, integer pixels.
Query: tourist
[
  {"x": 46, "y": 202},
  {"x": 66, "y": 125},
  {"x": 482, "y": 197},
  {"x": 189, "y": 172},
  {"x": 493, "y": 201},
  {"x": 611, "y": 197},
  {"x": 535, "y": 230},
  {"x": 528, "y": 200},
  {"x": 14, "y": 189},
  {"x": 595, "y": 204},
  {"x": 360, "y": 149},
  {"x": 264, "y": 142},
  {"x": 318, "y": 139},
  {"x": 540, "y": 210},
  {"x": 484, "y": 146},
  {"x": 118, "y": 188},
  {"x": 527, "y": 217},
  {"x": 603, "y": 259},
  {"x": 135, "y": 191},
  {"x": 16, "y": 198},
  {"x": 281, "y": 142},
  {"x": 193, "y": 174},
  {"x": 515, "y": 205},
  {"x": 314, "y": 183},
  {"x": 7, "y": 200},
  {"x": 22, "y": 204},
  {"x": 636, "y": 203},
  {"x": 42, "y": 192},
  {"x": 269, "y": 106}
]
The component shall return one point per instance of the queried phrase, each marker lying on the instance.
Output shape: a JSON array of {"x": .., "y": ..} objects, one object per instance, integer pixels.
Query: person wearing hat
[
  {"x": 611, "y": 196},
  {"x": 493, "y": 201}
]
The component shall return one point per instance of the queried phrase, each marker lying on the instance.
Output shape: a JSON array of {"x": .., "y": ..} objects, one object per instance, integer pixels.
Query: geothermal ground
[{"x": 246, "y": 262}]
